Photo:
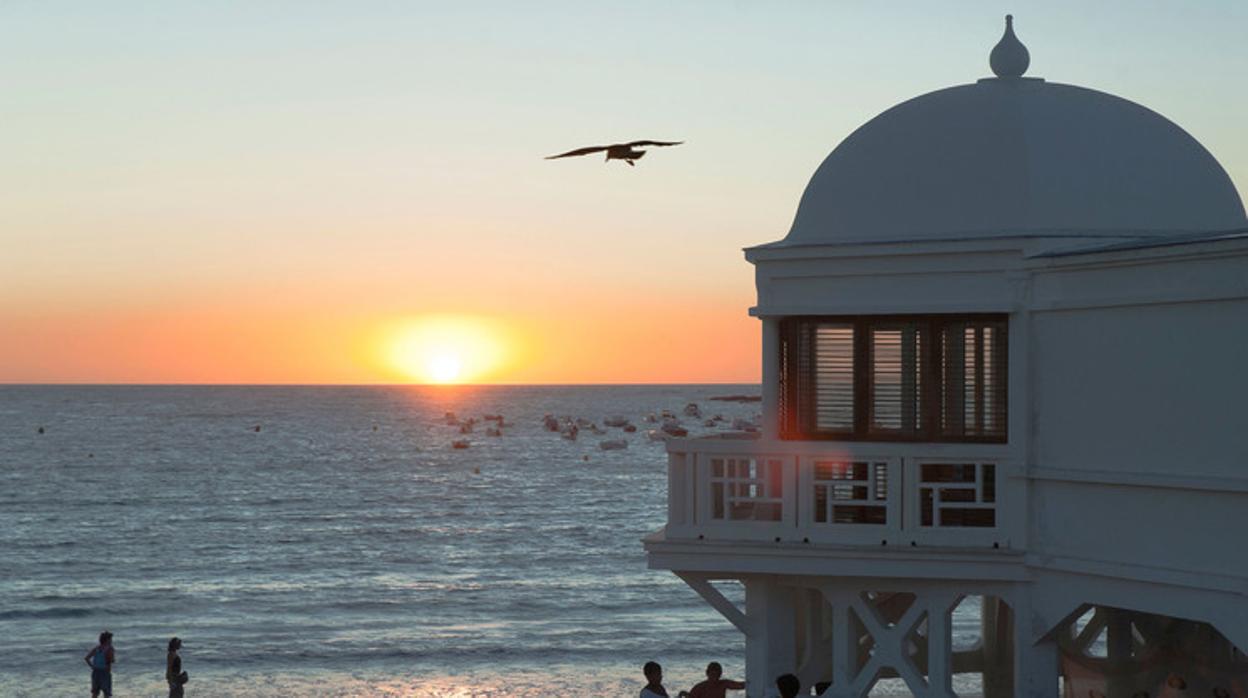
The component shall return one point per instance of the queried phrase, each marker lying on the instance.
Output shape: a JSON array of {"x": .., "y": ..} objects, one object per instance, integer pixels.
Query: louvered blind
[
  {"x": 896, "y": 369},
  {"x": 834, "y": 377},
  {"x": 921, "y": 377},
  {"x": 973, "y": 379}
]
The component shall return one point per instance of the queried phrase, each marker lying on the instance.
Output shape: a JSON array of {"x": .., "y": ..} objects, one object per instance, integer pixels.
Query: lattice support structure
[
  {"x": 894, "y": 642},
  {"x": 835, "y": 632}
]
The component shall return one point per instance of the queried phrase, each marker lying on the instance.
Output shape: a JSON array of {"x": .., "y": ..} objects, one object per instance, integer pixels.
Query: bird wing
[
  {"x": 579, "y": 151},
  {"x": 635, "y": 144}
]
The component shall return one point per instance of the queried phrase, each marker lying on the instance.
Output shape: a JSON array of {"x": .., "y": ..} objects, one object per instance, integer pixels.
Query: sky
[{"x": 317, "y": 192}]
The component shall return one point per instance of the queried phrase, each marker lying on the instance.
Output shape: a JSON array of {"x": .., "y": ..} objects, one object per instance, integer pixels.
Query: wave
[{"x": 53, "y": 612}]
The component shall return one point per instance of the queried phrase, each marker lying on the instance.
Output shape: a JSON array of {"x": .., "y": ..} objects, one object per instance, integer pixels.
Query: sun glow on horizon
[
  {"x": 444, "y": 368},
  {"x": 446, "y": 349}
]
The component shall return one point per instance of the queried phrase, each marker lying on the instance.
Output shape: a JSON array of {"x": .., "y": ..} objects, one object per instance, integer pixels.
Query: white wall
[
  {"x": 1139, "y": 390},
  {"x": 1158, "y": 388}
]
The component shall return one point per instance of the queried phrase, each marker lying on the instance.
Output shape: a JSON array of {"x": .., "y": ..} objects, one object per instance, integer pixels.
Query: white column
[
  {"x": 771, "y": 378},
  {"x": 1118, "y": 650},
  {"x": 771, "y": 643},
  {"x": 1035, "y": 656},
  {"x": 939, "y": 644},
  {"x": 997, "y": 631}
]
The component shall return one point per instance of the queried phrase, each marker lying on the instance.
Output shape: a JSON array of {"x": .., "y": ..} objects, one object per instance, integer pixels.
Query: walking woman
[{"x": 174, "y": 675}]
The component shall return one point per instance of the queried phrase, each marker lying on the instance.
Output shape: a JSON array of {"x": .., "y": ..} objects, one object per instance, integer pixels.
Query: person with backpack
[{"x": 100, "y": 659}]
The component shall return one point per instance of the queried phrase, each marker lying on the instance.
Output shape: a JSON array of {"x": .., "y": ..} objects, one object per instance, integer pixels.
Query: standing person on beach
[
  {"x": 174, "y": 676},
  {"x": 715, "y": 686},
  {"x": 100, "y": 659}
]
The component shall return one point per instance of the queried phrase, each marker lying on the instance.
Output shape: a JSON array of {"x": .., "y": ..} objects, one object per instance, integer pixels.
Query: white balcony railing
[{"x": 896, "y": 494}]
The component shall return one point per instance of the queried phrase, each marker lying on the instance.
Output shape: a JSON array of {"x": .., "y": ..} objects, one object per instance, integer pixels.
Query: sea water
[{"x": 329, "y": 541}]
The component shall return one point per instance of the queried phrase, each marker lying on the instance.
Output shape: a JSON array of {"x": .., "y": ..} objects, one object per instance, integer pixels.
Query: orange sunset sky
[{"x": 355, "y": 192}]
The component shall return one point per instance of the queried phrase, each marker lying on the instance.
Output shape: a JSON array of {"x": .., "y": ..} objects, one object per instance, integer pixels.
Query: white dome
[{"x": 1015, "y": 156}]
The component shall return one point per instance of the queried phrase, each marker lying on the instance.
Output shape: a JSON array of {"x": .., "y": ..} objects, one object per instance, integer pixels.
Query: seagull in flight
[{"x": 618, "y": 151}]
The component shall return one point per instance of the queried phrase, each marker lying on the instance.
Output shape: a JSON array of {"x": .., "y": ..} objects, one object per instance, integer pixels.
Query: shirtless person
[{"x": 715, "y": 686}]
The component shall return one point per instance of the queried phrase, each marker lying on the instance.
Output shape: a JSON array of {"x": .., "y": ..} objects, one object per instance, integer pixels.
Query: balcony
[{"x": 845, "y": 493}]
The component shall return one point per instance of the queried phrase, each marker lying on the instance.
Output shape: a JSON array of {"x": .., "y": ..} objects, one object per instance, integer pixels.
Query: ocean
[{"x": 330, "y": 541}]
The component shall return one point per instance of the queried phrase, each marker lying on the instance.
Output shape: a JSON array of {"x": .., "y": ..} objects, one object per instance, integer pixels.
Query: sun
[
  {"x": 444, "y": 368},
  {"x": 445, "y": 349}
]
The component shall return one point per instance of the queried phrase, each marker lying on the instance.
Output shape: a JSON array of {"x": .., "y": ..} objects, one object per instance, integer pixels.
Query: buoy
[{"x": 40, "y": 430}]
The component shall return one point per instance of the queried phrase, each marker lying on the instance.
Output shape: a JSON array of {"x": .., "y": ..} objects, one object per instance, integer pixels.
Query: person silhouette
[
  {"x": 715, "y": 686},
  {"x": 174, "y": 676},
  {"x": 100, "y": 659},
  {"x": 788, "y": 685},
  {"x": 654, "y": 682}
]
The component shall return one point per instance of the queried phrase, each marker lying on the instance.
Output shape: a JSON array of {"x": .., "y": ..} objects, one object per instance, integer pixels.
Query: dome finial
[{"x": 1009, "y": 58}]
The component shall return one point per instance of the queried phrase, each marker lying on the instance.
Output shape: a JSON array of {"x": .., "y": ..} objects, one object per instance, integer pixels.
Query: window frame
[{"x": 797, "y": 395}]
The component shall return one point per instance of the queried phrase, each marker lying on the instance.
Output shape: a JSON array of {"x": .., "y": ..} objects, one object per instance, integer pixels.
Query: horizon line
[{"x": 5, "y": 384}]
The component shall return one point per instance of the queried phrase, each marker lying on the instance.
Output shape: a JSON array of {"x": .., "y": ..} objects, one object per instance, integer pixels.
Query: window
[{"x": 894, "y": 378}]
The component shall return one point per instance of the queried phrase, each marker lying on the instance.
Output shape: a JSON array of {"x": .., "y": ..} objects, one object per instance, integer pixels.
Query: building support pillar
[
  {"x": 771, "y": 643},
  {"x": 1036, "y": 665},
  {"x": 997, "y": 631},
  {"x": 1118, "y": 644}
]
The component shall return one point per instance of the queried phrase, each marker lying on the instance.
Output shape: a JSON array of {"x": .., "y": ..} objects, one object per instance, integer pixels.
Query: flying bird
[{"x": 619, "y": 151}]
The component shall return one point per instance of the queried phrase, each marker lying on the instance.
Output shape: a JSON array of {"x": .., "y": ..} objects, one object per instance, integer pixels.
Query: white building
[{"x": 1003, "y": 363}]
